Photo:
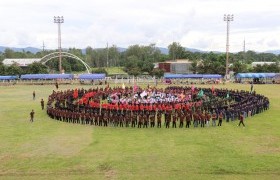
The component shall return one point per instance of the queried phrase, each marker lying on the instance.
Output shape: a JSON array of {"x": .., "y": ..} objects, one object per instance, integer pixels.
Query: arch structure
[{"x": 53, "y": 55}]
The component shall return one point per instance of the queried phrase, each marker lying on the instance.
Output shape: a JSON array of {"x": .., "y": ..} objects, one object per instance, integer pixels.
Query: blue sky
[{"x": 193, "y": 23}]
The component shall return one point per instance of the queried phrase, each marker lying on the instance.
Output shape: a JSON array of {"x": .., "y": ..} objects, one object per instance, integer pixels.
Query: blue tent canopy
[
  {"x": 192, "y": 76},
  {"x": 8, "y": 77},
  {"x": 46, "y": 76},
  {"x": 212, "y": 76},
  {"x": 92, "y": 76},
  {"x": 255, "y": 75},
  {"x": 185, "y": 76},
  {"x": 172, "y": 76}
]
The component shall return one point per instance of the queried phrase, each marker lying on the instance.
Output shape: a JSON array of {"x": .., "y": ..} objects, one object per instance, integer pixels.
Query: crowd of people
[{"x": 154, "y": 107}]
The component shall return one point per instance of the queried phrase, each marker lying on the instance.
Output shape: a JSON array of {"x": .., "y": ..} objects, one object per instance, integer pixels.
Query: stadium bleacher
[
  {"x": 46, "y": 76},
  {"x": 198, "y": 76},
  {"x": 91, "y": 76},
  {"x": 8, "y": 77}
]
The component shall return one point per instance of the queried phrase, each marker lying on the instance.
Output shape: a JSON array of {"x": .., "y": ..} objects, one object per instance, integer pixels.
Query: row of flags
[
  {"x": 201, "y": 92},
  {"x": 135, "y": 87}
]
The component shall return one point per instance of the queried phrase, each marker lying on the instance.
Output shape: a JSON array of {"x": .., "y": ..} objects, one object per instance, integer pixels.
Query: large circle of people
[{"x": 150, "y": 106}]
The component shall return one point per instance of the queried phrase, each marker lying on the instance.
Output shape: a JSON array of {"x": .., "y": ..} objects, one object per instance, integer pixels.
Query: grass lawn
[
  {"x": 114, "y": 70},
  {"x": 48, "y": 149}
]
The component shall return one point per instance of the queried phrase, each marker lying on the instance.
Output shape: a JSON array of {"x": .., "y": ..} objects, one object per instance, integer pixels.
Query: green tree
[
  {"x": 176, "y": 51},
  {"x": 100, "y": 70},
  {"x": 89, "y": 59},
  {"x": 158, "y": 73},
  {"x": 2, "y": 69},
  {"x": 272, "y": 68},
  {"x": 9, "y": 53},
  {"x": 212, "y": 64},
  {"x": 67, "y": 67},
  {"x": 134, "y": 50},
  {"x": 37, "y": 68},
  {"x": 113, "y": 56},
  {"x": 194, "y": 66},
  {"x": 147, "y": 67},
  {"x": 132, "y": 62},
  {"x": 14, "y": 70},
  {"x": 239, "y": 67},
  {"x": 53, "y": 65},
  {"x": 135, "y": 71}
]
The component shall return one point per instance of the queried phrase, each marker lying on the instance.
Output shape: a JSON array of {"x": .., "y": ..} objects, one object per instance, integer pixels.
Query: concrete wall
[{"x": 181, "y": 68}]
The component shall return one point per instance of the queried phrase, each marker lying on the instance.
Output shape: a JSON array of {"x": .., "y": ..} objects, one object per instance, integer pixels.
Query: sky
[{"x": 195, "y": 24}]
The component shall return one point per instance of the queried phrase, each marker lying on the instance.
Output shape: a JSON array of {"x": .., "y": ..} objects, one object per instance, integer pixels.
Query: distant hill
[
  {"x": 165, "y": 50},
  {"x": 277, "y": 52},
  {"x": 194, "y": 50},
  {"x": 120, "y": 49},
  {"x": 30, "y": 49}
]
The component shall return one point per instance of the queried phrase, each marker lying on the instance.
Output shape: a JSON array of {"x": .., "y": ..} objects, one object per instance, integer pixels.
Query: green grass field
[
  {"x": 114, "y": 70},
  {"x": 48, "y": 149}
]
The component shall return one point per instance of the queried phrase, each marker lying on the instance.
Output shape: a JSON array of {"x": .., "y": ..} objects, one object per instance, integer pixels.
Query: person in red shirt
[{"x": 241, "y": 119}]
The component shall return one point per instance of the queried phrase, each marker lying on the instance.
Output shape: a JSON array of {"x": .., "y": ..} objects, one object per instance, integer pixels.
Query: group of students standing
[
  {"x": 85, "y": 107},
  {"x": 145, "y": 119}
]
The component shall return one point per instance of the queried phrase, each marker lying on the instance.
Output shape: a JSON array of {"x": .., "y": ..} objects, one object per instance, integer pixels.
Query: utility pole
[
  {"x": 244, "y": 51},
  {"x": 43, "y": 46},
  {"x": 227, "y": 18},
  {"x": 107, "y": 55},
  {"x": 244, "y": 46},
  {"x": 59, "y": 20}
]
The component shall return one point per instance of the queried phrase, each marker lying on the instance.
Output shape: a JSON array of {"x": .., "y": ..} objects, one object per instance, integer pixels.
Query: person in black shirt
[
  {"x": 33, "y": 95},
  {"x": 42, "y": 104},
  {"x": 32, "y": 115}
]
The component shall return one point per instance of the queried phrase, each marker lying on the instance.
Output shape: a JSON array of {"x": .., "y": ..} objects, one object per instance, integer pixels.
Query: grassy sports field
[{"x": 48, "y": 149}]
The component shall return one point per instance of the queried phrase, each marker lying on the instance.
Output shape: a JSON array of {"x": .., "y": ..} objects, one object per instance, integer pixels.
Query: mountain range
[{"x": 162, "y": 49}]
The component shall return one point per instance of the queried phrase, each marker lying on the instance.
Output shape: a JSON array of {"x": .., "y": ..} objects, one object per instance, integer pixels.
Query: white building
[
  {"x": 181, "y": 67},
  {"x": 254, "y": 64},
  {"x": 20, "y": 62}
]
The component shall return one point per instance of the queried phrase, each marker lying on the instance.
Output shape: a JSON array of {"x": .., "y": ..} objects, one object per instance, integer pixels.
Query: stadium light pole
[
  {"x": 59, "y": 20},
  {"x": 227, "y": 18}
]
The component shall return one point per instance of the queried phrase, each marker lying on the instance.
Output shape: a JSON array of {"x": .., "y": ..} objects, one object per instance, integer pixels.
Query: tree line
[{"x": 139, "y": 59}]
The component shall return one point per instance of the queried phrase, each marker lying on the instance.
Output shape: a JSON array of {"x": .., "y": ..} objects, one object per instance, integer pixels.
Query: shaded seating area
[
  {"x": 256, "y": 78},
  {"x": 46, "y": 76},
  {"x": 192, "y": 78},
  {"x": 91, "y": 76},
  {"x": 8, "y": 78},
  {"x": 188, "y": 76}
]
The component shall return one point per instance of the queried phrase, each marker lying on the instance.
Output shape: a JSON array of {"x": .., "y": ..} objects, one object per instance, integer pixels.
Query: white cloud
[{"x": 193, "y": 23}]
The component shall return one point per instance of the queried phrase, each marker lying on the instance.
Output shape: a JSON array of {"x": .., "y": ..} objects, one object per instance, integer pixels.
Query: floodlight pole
[
  {"x": 227, "y": 18},
  {"x": 58, "y": 20}
]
